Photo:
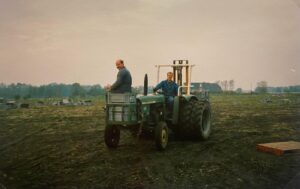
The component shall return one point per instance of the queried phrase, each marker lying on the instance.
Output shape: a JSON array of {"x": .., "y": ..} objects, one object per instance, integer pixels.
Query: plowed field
[{"x": 63, "y": 147}]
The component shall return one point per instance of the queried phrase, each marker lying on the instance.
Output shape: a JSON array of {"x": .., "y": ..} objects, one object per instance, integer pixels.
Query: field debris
[
  {"x": 267, "y": 100},
  {"x": 11, "y": 104},
  {"x": 281, "y": 99},
  {"x": 71, "y": 102},
  {"x": 286, "y": 101},
  {"x": 24, "y": 105},
  {"x": 40, "y": 103},
  {"x": 279, "y": 148}
]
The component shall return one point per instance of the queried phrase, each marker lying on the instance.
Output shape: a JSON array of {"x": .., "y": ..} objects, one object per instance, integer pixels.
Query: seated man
[
  {"x": 123, "y": 82},
  {"x": 169, "y": 88}
]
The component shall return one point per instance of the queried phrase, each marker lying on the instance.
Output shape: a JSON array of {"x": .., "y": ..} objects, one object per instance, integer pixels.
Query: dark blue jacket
[
  {"x": 123, "y": 83},
  {"x": 168, "y": 88}
]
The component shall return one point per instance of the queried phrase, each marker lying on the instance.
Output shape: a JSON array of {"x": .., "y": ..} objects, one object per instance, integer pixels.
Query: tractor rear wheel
[
  {"x": 203, "y": 126},
  {"x": 194, "y": 120},
  {"x": 161, "y": 135},
  {"x": 112, "y": 136}
]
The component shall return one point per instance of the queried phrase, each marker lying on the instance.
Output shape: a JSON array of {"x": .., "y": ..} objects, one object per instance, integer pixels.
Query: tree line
[
  {"x": 21, "y": 90},
  {"x": 262, "y": 87}
]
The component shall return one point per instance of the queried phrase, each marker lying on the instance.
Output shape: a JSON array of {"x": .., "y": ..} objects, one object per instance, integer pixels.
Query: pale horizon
[{"x": 70, "y": 41}]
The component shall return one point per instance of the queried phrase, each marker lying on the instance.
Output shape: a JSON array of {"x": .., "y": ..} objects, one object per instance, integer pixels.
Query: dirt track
[{"x": 62, "y": 147}]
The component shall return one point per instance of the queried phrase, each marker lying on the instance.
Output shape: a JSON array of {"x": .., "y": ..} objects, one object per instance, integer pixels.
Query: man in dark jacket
[
  {"x": 169, "y": 88},
  {"x": 124, "y": 81}
]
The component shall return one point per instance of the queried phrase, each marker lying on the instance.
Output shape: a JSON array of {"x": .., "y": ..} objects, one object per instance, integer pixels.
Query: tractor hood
[{"x": 151, "y": 99}]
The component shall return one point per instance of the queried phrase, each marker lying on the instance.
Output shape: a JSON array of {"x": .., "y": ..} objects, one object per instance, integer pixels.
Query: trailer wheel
[
  {"x": 161, "y": 135},
  {"x": 112, "y": 136}
]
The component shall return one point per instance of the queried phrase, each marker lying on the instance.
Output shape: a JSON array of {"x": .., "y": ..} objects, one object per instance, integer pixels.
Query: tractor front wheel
[
  {"x": 112, "y": 136},
  {"x": 161, "y": 135}
]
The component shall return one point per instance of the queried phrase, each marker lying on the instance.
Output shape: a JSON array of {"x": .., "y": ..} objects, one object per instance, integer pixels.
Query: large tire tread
[{"x": 191, "y": 120}]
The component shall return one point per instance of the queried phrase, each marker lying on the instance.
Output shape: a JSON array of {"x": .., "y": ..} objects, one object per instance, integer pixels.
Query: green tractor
[{"x": 190, "y": 117}]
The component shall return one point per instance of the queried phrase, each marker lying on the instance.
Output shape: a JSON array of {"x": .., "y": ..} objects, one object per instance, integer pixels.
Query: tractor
[{"x": 189, "y": 118}]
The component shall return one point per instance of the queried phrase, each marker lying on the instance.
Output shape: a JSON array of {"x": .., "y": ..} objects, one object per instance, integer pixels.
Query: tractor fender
[
  {"x": 178, "y": 101},
  {"x": 187, "y": 98}
]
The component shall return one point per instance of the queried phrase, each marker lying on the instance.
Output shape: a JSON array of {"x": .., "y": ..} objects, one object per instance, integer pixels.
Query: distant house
[{"x": 210, "y": 87}]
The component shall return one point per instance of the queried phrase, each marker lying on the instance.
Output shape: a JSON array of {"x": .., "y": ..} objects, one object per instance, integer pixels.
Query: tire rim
[
  {"x": 164, "y": 138},
  {"x": 205, "y": 120},
  {"x": 114, "y": 135}
]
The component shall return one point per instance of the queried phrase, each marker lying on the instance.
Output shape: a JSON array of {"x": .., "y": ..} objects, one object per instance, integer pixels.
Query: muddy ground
[{"x": 63, "y": 147}]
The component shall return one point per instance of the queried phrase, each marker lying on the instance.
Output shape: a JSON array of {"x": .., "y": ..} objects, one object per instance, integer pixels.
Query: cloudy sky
[{"x": 67, "y": 41}]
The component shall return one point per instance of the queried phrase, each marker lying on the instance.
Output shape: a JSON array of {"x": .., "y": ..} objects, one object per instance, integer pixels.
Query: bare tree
[
  {"x": 261, "y": 87},
  {"x": 231, "y": 85},
  {"x": 224, "y": 85}
]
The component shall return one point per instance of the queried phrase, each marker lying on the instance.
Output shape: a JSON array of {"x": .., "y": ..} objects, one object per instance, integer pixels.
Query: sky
[{"x": 67, "y": 41}]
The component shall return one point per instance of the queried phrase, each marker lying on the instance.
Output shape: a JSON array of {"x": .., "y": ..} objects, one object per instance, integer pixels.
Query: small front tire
[{"x": 161, "y": 135}]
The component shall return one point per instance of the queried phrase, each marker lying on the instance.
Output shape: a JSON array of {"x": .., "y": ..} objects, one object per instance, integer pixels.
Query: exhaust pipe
[{"x": 146, "y": 85}]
